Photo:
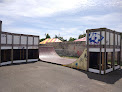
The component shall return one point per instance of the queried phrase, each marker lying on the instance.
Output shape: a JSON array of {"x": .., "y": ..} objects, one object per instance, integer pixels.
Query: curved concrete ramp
[{"x": 48, "y": 54}]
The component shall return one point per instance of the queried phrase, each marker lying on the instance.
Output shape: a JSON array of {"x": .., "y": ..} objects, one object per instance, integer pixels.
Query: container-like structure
[
  {"x": 101, "y": 43},
  {"x": 17, "y": 48}
]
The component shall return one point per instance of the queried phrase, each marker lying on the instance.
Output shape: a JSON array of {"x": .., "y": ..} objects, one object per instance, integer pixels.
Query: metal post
[
  {"x": 118, "y": 58},
  {"x": 6, "y": 38},
  {"x": 33, "y": 40},
  {"x": 20, "y": 46},
  {"x": 103, "y": 60},
  {"x": 100, "y": 55},
  {"x": 87, "y": 50},
  {"x": 117, "y": 40},
  {"x": 120, "y": 49},
  {"x": 109, "y": 39},
  {"x": 114, "y": 51},
  {"x": 38, "y": 47},
  {"x": 111, "y": 59},
  {"x": 0, "y": 39},
  {"x": 12, "y": 48},
  {"x": 105, "y": 55},
  {"x": 27, "y": 50}
]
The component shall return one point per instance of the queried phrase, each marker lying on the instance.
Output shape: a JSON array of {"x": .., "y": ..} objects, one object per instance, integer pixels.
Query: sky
[{"x": 67, "y": 18}]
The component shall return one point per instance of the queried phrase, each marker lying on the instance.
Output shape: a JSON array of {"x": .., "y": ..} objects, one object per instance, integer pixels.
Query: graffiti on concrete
[
  {"x": 76, "y": 64},
  {"x": 95, "y": 38},
  {"x": 74, "y": 47},
  {"x": 79, "y": 53}
]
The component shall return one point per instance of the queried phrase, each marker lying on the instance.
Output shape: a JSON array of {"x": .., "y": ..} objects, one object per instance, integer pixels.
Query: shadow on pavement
[{"x": 109, "y": 78}]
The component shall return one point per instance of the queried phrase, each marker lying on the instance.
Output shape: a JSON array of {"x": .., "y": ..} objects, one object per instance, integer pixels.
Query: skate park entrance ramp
[{"x": 48, "y": 54}]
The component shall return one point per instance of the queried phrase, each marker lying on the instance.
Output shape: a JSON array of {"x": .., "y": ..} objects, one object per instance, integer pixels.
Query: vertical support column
[
  {"x": 103, "y": 63},
  {"x": 38, "y": 47},
  {"x": 118, "y": 58},
  {"x": 6, "y": 38},
  {"x": 33, "y": 46},
  {"x": 23, "y": 54},
  {"x": 12, "y": 49},
  {"x": 117, "y": 40},
  {"x": 120, "y": 50},
  {"x": 111, "y": 59},
  {"x": 106, "y": 59},
  {"x": 20, "y": 47},
  {"x": 33, "y": 40},
  {"x": 27, "y": 50},
  {"x": 100, "y": 55},
  {"x": 114, "y": 51},
  {"x": 0, "y": 40},
  {"x": 4, "y": 55},
  {"x": 87, "y": 50},
  {"x": 20, "y": 54},
  {"x": 117, "y": 52},
  {"x": 109, "y": 39},
  {"x": 105, "y": 54}
]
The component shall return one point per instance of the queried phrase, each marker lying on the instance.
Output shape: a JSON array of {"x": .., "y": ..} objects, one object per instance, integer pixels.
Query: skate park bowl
[
  {"x": 99, "y": 55},
  {"x": 48, "y": 54}
]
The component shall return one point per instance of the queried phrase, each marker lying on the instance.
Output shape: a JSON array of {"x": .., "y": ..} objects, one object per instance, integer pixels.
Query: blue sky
[{"x": 69, "y": 18}]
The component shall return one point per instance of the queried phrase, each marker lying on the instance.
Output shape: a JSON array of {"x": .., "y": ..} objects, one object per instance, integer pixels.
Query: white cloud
[
  {"x": 111, "y": 17},
  {"x": 103, "y": 20},
  {"x": 38, "y": 8},
  {"x": 117, "y": 27},
  {"x": 43, "y": 8},
  {"x": 30, "y": 31},
  {"x": 66, "y": 33},
  {"x": 7, "y": 22},
  {"x": 111, "y": 20}
]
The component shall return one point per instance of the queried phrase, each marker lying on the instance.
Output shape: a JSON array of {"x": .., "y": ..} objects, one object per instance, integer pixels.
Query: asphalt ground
[{"x": 47, "y": 77}]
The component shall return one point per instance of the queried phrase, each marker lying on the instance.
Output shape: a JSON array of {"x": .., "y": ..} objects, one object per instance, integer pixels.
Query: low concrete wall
[{"x": 74, "y": 49}]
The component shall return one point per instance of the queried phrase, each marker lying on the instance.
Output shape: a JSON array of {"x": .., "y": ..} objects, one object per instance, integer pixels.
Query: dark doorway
[{"x": 94, "y": 60}]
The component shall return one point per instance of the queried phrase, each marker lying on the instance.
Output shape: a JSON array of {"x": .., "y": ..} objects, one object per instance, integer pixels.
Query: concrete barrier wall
[{"x": 74, "y": 49}]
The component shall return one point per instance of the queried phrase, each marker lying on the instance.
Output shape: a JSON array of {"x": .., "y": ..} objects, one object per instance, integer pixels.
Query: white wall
[
  {"x": 94, "y": 38},
  {"x": 36, "y": 40},
  {"x": 30, "y": 40},
  {"x": 23, "y": 39},
  {"x": 3, "y": 38},
  {"x": 9, "y": 39},
  {"x": 16, "y": 39}
]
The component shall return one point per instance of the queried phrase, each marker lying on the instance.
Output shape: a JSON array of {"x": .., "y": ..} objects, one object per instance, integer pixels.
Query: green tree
[
  {"x": 60, "y": 38},
  {"x": 56, "y": 36},
  {"x": 42, "y": 39},
  {"x": 47, "y": 36},
  {"x": 81, "y": 36},
  {"x": 72, "y": 39}
]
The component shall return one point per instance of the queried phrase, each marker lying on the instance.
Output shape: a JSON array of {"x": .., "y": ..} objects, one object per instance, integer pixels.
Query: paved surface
[
  {"x": 48, "y": 54},
  {"x": 46, "y": 77}
]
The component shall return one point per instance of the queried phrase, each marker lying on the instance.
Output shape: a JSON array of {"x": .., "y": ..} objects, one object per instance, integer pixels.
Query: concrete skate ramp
[{"x": 48, "y": 54}]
